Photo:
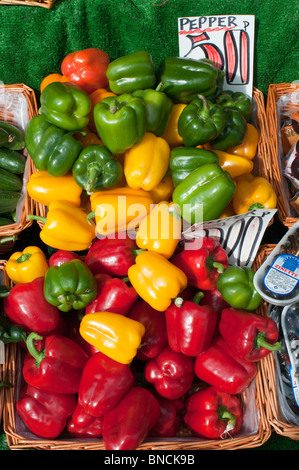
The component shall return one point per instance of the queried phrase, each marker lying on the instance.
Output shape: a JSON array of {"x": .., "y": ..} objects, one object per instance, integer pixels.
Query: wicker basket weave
[
  {"x": 276, "y": 91},
  {"x": 38, "y": 3},
  {"x": 11, "y": 115},
  {"x": 269, "y": 374},
  {"x": 254, "y": 402}
]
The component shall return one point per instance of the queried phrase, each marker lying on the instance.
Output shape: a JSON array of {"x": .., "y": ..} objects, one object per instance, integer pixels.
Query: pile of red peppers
[{"x": 193, "y": 361}]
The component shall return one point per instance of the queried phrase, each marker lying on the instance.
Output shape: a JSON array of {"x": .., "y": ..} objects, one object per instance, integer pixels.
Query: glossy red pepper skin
[
  {"x": 247, "y": 332},
  {"x": 213, "y": 414},
  {"x": 86, "y": 68},
  {"x": 219, "y": 367},
  {"x": 45, "y": 413},
  {"x": 103, "y": 383},
  {"x": 82, "y": 424},
  {"x": 127, "y": 425},
  {"x": 154, "y": 339},
  {"x": 213, "y": 298},
  {"x": 112, "y": 256},
  {"x": 113, "y": 295},
  {"x": 62, "y": 256},
  {"x": 21, "y": 307},
  {"x": 202, "y": 260},
  {"x": 171, "y": 373},
  {"x": 170, "y": 419},
  {"x": 190, "y": 327},
  {"x": 59, "y": 366}
]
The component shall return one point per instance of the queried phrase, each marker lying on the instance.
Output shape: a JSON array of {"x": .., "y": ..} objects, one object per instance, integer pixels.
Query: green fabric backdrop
[{"x": 34, "y": 40}]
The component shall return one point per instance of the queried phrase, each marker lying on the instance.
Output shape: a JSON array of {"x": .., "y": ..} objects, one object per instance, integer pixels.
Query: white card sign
[{"x": 227, "y": 40}]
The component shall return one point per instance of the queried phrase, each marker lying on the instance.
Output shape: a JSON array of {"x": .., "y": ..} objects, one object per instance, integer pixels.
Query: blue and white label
[{"x": 283, "y": 275}]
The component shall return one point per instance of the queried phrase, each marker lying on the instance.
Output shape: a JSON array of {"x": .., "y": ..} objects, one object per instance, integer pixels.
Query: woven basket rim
[
  {"x": 268, "y": 372},
  {"x": 275, "y": 91}
]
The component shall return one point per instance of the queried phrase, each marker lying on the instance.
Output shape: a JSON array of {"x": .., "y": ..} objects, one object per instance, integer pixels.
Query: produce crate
[
  {"x": 269, "y": 373},
  {"x": 3, "y": 367},
  {"x": 255, "y": 430},
  {"x": 13, "y": 99},
  {"x": 285, "y": 213},
  {"x": 38, "y": 3}
]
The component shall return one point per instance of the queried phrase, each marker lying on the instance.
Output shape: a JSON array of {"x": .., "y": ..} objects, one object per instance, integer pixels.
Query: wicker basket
[
  {"x": 269, "y": 374},
  {"x": 18, "y": 97},
  {"x": 38, "y": 3},
  {"x": 275, "y": 91}
]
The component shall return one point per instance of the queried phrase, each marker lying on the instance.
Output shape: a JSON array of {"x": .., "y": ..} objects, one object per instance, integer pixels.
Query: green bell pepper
[
  {"x": 70, "y": 285},
  {"x": 51, "y": 148},
  {"x": 234, "y": 131},
  {"x": 184, "y": 160},
  {"x": 135, "y": 71},
  {"x": 183, "y": 79},
  {"x": 120, "y": 121},
  {"x": 96, "y": 169},
  {"x": 200, "y": 122},
  {"x": 65, "y": 105},
  {"x": 158, "y": 107},
  {"x": 208, "y": 189},
  {"x": 236, "y": 100},
  {"x": 236, "y": 286}
]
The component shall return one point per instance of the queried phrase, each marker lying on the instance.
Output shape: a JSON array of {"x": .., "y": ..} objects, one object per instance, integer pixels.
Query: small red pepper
[
  {"x": 45, "y": 413},
  {"x": 127, "y": 425},
  {"x": 26, "y": 305},
  {"x": 55, "y": 364},
  {"x": 202, "y": 260},
  {"x": 220, "y": 367},
  {"x": 190, "y": 327},
  {"x": 250, "y": 335},
  {"x": 213, "y": 414},
  {"x": 154, "y": 339},
  {"x": 86, "y": 68},
  {"x": 170, "y": 372},
  {"x": 103, "y": 383},
  {"x": 170, "y": 419},
  {"x": 82, "y": 424},
  {"x": 213, "y": 298},
  {"x": 112, "y": 256},
  {"x": 62, "y": 256},
  {"x": 113, "y": 295}
]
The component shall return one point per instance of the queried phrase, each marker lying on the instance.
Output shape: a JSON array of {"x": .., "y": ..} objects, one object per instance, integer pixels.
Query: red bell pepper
[
  {"x": 250, "y": 335},
  {"x": 55, "y": 364},
  {"x": 202, "y": 260},
  {"x": 127, "y": 425},
  {"x": 72, "y": 331},
  {"x": 213, "y": 414},
  {"x": 154, "y": 339},
  {"x": 62, "y": 256},
  {"x": 220, "y": 367},
  {"x": 170, "y": 372},
  {"x": 113, "y": 295},
  {"x": 82, "y": 424},
  {"x": 214, "y": 298},
  {"x": 86, "y": 68},
  {"x": 26, "y": 305},
  {"x": 112, "y": 256},
  {"x": 45, "y": 413},
  {"x": 170, "y": 419},
  {"x": 190, "y": 327},
  {"x": 103, "y": 383}
]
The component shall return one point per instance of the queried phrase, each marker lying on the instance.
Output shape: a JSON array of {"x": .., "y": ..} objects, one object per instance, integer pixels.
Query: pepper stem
[
  {"x": 178, "y": 302},
  {"x": 91, "y": 215},
  {"x": 36, "y": 217},
  {"x": 13, "y": 238},
  {"x": 4, "y": 291},
  {"x": 24, "y": 257},
  {"x": 225, "y": 415},
  {"x": 211, "y": 264},
  {"x": 93, "y": 170},
  {"x": 38, "y": 355},
  {"x": 205, "y": 111},
  {"x": 261, "y": 342},
  {"x": 197, "y": 297},
  {"x": 256, "y": 205}
]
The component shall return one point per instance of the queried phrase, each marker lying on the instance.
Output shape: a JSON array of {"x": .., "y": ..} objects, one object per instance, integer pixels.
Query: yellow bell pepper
[
  {"x": 156, "y": 279},
  {"x": 234, "y": 164},
  {"x": 248, "y": 147},
  {"x": 160, "y": 231},
  {"x": 115, "y": 335},
  {"x": 171, "y": 134},
  {"x": 228, "y": 212},
  {"x": 44, "y": 188},
  {"x": 163, "y": 191},
  {"x": 119, "y": 209},
  {"x": 27, "y": 265},
  {"x": 66, "y": 227},
  {"x": 253, "y": 192},
  {"x": 145, "y": 164}
]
